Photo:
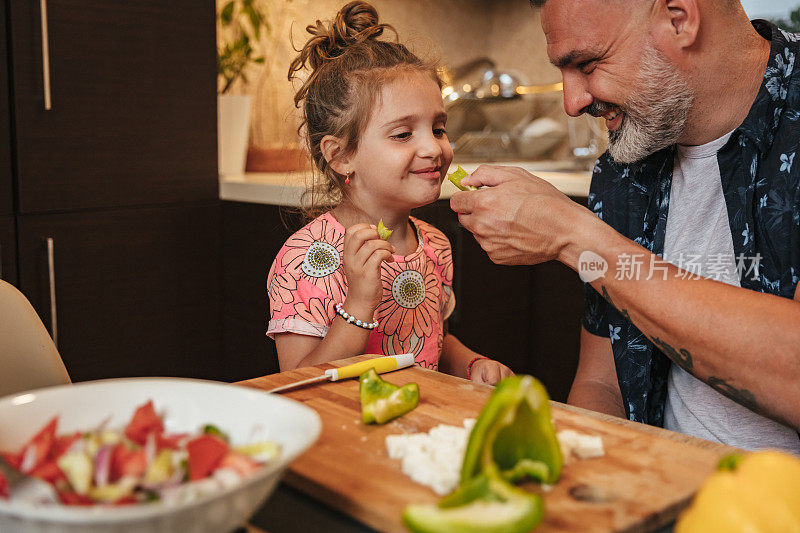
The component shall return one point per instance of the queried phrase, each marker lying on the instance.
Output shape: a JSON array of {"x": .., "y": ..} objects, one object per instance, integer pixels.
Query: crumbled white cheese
[
  {"x": 434, "y": 458},
  {"x": 583, "y": 446}
]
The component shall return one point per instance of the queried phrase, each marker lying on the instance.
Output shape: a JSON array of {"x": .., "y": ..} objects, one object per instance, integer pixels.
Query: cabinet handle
[
  {"x": 48, "y": 104},
  {"x": 51, "y": 272}
]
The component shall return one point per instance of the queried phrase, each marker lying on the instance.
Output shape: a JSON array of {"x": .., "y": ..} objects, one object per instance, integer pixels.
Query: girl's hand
[
  {"x": 364, "y": 251},
  {"x": 489, "y": 371}
]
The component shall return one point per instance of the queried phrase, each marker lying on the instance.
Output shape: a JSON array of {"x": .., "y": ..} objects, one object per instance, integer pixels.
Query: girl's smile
[{"x": 430, "y": 173}]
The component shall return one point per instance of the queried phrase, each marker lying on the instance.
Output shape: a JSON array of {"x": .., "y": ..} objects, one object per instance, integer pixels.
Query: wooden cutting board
[{"x": 646, "y": 478}]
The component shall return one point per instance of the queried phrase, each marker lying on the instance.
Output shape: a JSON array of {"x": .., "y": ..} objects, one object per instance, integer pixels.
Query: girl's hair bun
[{"x": 354, "y": 24}]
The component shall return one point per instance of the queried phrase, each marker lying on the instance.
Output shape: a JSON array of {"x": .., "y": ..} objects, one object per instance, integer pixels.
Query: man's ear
[
  {"x": 677, "y": 24},
  {"x": 332, "y": 149}
]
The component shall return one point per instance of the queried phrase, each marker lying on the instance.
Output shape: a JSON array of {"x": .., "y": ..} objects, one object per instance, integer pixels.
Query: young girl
[{"x": 374, "y": 122}]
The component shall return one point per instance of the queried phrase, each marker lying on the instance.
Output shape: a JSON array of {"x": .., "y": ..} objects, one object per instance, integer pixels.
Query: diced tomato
[
  {"x": 169, "y": 441},
  {"x": 205, "y": 454},
  {"x": 41, "y": 444},
  {"x": 63, "y": 444},
  {"x": 48, "y": 471},
  {"x": 125, "y": 462},
  {"x": 241, "y": 463},
  {"x": 144, "y": 421},
  {"x": 73, "y": 498},
  {"x": 4, "y": 492}
]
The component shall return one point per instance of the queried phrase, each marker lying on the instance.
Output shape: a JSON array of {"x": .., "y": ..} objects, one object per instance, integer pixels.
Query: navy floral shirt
[{"x": 761, "y": 185}]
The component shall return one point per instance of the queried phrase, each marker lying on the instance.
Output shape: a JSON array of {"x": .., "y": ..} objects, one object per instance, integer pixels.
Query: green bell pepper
[
  {"x": 515, "y": 432},
  {"x": 382, "y": 401},
  {"x": 514, "y": 437},
  {"x": 485, "y": 504},
  {"x": 456, "y": 177},
  {"x": 383, "y": 231}
]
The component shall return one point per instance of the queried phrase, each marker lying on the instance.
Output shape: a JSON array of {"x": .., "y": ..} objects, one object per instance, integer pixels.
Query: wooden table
[{"x": 647, "y": 476}]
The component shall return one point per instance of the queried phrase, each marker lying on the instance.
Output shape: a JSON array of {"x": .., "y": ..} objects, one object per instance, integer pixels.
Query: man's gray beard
[{"x": 655, "y": 113}]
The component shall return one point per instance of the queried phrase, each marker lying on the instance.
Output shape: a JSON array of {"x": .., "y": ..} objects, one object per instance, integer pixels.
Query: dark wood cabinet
[
  {"x": 6, "y": 188},
  {"x": 108, "y": 142},
  {"x": 252, "y": 236},
  {"x": 133, "y": 94},
  {"x": 137, "y": 291},
  {"x": 8, "y": 250}
]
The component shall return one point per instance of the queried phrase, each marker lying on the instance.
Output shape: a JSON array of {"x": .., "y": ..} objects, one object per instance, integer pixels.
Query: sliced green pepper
[
  {"x": 383, "y": 231},
  {"x": 515, "y": 432},
  {"x": 382, "y": 401},
  {"x": 514, "y": 437},
  {"x": 456, "y": 177},
  {"x": 485, "y": 504}
]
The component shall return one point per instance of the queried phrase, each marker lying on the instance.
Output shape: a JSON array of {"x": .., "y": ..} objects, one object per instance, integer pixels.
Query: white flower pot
[{"x": 233, "y": 128}]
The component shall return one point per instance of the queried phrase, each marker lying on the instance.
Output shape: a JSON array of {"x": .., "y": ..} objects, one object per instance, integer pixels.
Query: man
[{"x": 703, "y": 113}]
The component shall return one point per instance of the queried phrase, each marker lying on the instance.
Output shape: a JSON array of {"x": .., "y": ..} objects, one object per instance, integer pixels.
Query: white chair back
[{"x": 28, "y": 357}]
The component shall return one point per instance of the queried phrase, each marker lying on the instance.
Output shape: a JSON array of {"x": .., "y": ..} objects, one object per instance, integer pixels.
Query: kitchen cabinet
[
  {"x": 108, "y": 142},
  {"x": 252, "y": 236},
  {"x": 8, "y": 250},
  {"x": 528, "y": 317},
  {"x": 8, "y": 266},
  {"x": 132, "y": 93},
  {"x": 137, "y": 291},
  {"x": 6, "y": 188}
]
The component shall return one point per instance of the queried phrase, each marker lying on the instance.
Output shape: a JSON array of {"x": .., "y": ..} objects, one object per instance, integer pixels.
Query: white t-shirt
[{"x": 698, "y": 238}]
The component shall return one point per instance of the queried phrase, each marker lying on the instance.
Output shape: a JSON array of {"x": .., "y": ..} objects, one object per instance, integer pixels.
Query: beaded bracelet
[
  {"x": 350, "y": 319},
  {"x": 469, "y": 366}
]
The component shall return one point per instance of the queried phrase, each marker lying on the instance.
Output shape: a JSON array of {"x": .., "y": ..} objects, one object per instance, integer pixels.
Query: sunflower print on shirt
[{"x": 307, "y": 280}]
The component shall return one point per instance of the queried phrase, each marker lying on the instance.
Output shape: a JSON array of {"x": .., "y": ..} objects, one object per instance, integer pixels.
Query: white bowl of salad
[{"x": 149, "y": 454}]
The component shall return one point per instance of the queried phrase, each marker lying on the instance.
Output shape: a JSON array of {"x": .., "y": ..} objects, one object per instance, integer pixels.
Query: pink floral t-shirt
[{"x": 307, "y": 280}]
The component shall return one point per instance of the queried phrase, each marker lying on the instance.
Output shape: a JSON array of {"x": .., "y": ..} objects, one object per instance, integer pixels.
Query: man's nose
[{"x": 576, "y": 95}]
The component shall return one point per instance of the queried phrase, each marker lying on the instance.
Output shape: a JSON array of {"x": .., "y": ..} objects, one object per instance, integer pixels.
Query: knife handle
[{"x": 380, "y": 364}]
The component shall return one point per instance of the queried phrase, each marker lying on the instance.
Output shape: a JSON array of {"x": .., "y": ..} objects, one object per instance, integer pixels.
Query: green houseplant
[
  {"x": 240, "y": 26},
  {"x": 241, "y": 23}
]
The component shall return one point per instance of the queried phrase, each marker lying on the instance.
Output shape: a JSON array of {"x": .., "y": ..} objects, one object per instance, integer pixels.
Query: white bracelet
[{"x": 350, "y": 319}]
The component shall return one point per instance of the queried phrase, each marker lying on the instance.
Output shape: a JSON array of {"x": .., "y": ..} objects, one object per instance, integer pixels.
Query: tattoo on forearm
[
  {"x": 682, "y": 357},
  {"x": 741, "y": 396},
  {"x": 624, "y": 312}
]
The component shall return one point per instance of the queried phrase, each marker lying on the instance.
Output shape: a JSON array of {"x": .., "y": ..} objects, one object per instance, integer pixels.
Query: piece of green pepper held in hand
[
  {"x": 382, "y": 401},
  {"x": 514, "y": 437},
  {"x": 456, "y": 177},
  {"x": 383, "y": 231}
]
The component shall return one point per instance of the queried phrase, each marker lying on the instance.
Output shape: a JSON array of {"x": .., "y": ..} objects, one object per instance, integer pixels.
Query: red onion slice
[
  {"x": 102, "y": 465},
  {"x": 150, "y": 447}
]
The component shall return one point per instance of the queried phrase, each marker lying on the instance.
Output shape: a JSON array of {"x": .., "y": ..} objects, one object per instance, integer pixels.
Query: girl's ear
[{"x": 332, "y": 149}]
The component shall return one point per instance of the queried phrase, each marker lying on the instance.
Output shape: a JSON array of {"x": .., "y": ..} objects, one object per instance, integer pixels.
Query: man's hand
[{"x": 518, "y": 219}]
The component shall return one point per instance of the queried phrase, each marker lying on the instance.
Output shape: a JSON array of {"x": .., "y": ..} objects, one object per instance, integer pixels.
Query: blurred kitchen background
[{"x": 504, "y": 102}]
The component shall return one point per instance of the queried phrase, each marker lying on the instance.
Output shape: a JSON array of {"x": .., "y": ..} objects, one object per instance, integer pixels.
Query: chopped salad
[{"x": 141, "y": 463}]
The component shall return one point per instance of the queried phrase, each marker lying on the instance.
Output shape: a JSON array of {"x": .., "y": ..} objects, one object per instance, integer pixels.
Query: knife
[{"x": 380, "y": 364}]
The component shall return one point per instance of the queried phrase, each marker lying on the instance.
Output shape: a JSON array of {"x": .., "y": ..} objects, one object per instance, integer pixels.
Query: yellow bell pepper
[{"x": 759, "y": 493}]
